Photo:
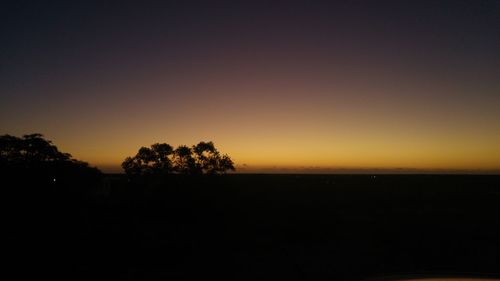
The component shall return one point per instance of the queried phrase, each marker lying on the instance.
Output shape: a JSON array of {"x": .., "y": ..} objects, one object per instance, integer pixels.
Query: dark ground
[{"x": 268, "y": 227}]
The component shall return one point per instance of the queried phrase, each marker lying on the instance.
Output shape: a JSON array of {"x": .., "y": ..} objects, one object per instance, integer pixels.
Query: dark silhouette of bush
[
  {"x": 36, "y": 159},
  {"x": 147, "y": 161},
  {"x": 162, "y": 159},
  {"x": 209, "y": 161},
  {"x": 184, "y": 162}
]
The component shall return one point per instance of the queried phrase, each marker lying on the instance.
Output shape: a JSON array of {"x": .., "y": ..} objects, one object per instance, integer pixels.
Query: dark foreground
[{"x": 266, "y": 227}]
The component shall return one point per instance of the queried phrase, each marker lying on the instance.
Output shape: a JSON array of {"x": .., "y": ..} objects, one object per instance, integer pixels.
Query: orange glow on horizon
[{"x": 311, "y": 130}]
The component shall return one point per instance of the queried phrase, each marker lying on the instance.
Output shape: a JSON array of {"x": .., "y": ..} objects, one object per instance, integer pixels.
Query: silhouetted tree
[
  {"x": 224, "y": 164},
  {"x": 33, "y": 155},
  {"x": 147, "y": 161},
  {"x": 184, "y": 163},
  {"x": 29, "y": 150},
  {"x": 209, "y": 161},
  {"x": 202, "y": 158}
]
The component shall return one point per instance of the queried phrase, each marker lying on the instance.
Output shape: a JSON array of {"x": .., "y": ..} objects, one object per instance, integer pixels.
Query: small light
[{"x": 54, "y": 180}]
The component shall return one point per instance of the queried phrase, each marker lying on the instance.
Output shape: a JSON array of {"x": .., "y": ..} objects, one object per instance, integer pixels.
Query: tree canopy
[
  {"x": 161, "y": 159},
  {"x": 34, "y": 154}
]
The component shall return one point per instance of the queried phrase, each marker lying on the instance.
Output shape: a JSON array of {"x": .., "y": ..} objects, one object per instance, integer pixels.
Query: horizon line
[{"x": 347, "y": 171}]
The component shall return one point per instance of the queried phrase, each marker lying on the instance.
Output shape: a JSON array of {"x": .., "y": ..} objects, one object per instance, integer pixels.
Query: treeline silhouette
[
  {"x": 36, "y": 158},
  {"x": 163, "y": 159},
  {"x": 32, "y": 157}
]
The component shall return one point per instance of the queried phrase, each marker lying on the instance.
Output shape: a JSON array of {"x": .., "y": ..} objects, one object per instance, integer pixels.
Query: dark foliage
[
  {"x": 162, "y": 159},
  {"x": 36, "y": 159}
]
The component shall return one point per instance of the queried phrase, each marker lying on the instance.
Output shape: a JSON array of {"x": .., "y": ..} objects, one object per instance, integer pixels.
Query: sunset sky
[{"x": 277, "y": 85}]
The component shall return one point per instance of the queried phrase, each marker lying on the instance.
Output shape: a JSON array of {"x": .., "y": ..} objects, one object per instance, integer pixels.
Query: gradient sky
[{"x": 277, "y": 85}]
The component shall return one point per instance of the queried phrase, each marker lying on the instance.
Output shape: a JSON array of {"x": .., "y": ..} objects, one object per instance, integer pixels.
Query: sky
[{"x": 298, "y": 86}]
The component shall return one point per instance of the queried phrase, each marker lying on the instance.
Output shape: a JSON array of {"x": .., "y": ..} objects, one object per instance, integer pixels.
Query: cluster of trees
[
  {"x": 162, "y": 158},
  {"x": 33, "y": 155},
  {"x": 29, "y": 149}
]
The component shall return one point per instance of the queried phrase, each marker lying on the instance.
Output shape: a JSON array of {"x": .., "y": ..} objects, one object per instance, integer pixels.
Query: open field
[{"x": 278, "y": 227}]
